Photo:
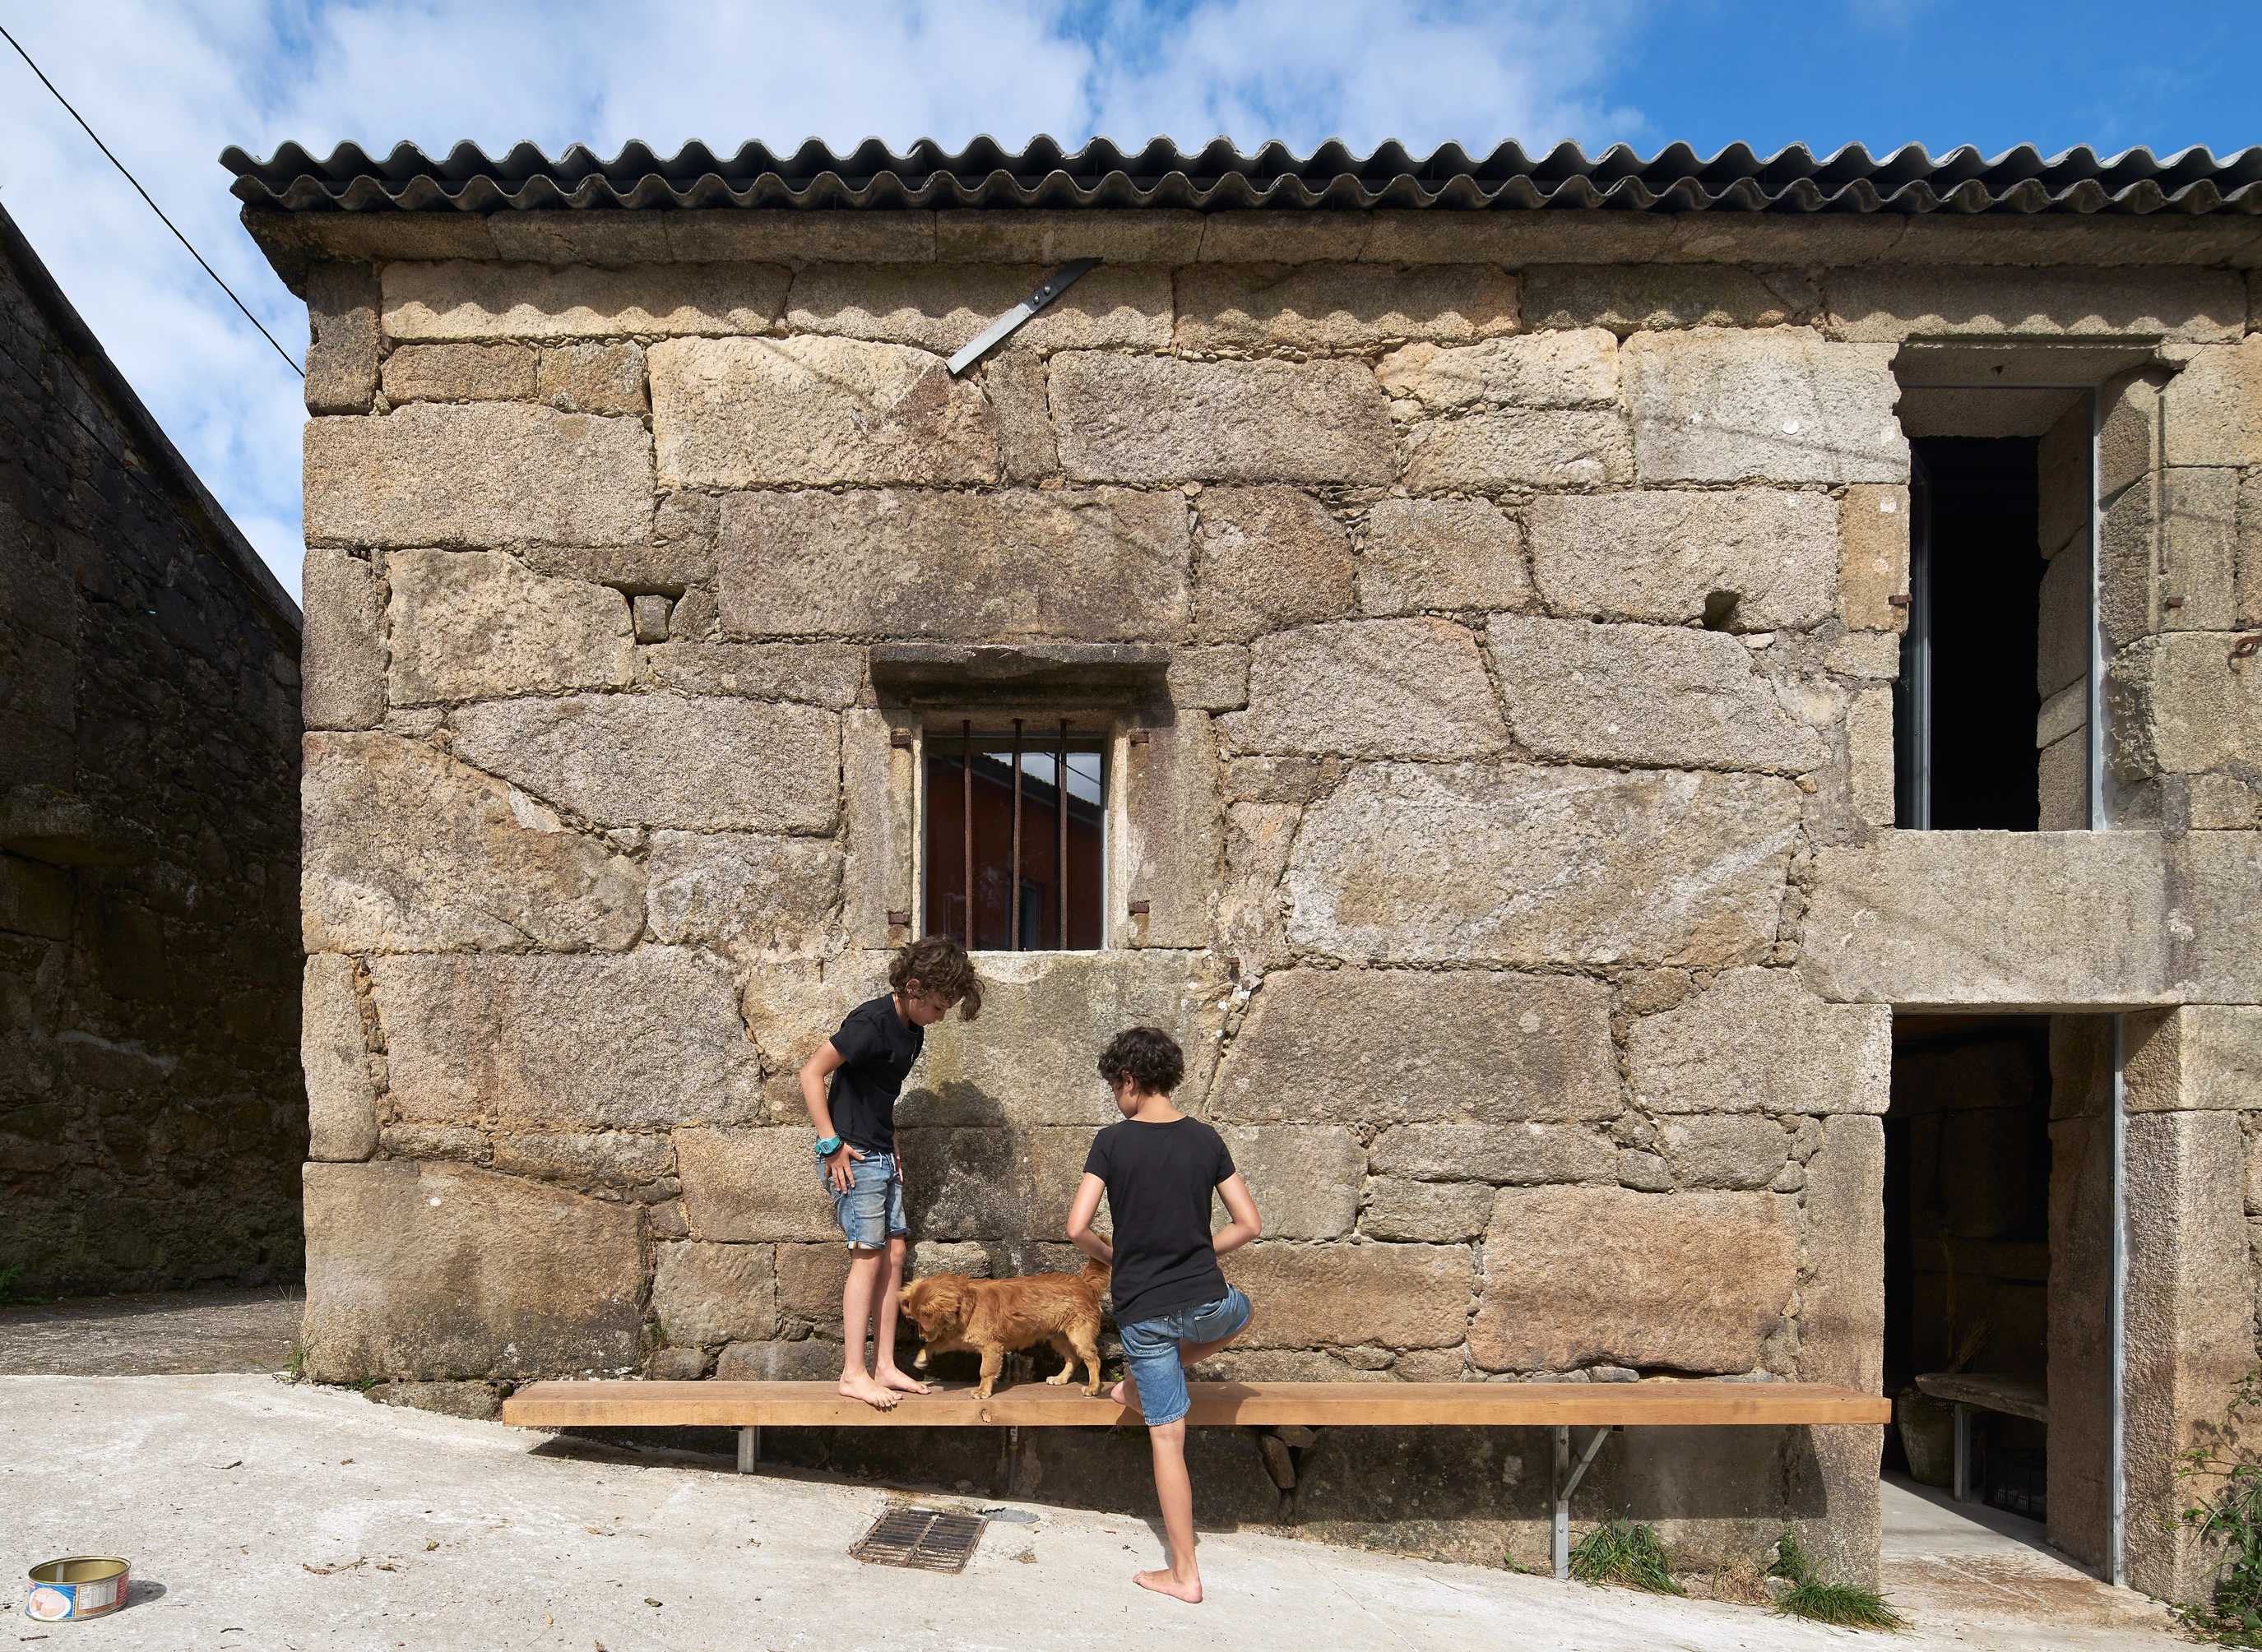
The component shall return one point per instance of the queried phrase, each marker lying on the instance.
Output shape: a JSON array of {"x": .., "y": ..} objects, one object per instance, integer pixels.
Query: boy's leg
[
  {"x": 1175, "y": 1491},
  {"x": 885, "y": 1370},
  {"x": 864, "y": 1270}
]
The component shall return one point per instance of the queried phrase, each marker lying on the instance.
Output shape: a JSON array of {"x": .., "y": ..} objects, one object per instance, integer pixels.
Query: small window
[{"x": 1037, "y": 869}]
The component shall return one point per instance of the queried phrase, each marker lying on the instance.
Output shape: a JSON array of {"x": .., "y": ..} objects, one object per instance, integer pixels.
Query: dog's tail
[{"x": 1096, "y": 1274}]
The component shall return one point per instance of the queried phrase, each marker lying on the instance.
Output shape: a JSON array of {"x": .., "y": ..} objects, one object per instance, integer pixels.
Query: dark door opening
[{"x": 1965, "y": 757}]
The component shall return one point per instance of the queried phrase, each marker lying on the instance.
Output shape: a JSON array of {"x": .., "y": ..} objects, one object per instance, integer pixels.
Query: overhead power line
[{"x": 154, "y": 207}]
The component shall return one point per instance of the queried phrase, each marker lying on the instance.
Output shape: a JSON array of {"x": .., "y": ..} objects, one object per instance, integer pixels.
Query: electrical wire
[{"x": 154, "y": 207}]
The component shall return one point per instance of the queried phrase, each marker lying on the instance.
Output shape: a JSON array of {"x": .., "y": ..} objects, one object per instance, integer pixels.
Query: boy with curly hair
[
  {"x": 1157, "y": 1168},
  {"x": 867, "y": 1062}
]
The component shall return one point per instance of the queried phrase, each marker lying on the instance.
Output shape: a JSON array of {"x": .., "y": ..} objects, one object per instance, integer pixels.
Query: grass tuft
[
  {"x": 1619, "y": 1552},
  {"x": 1840, "y": 1604},
  {"x": 10, "y": 1298}
]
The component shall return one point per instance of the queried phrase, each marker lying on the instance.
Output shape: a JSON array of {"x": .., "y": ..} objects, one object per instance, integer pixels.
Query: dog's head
[{"x": 938, "y": 1306}]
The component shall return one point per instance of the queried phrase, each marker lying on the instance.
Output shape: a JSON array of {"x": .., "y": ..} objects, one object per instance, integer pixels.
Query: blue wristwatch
[{"x": 830, "y": 1145}]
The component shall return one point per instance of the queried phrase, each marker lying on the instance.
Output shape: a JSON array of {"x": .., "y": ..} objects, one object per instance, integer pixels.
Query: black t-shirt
[
  {"x": 876, "y": 1052},
  {"x": 1159, "y": 1181}
]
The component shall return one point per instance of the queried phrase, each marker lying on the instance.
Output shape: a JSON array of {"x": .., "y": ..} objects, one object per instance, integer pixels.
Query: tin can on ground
[{"x": 82, "y": 1586}]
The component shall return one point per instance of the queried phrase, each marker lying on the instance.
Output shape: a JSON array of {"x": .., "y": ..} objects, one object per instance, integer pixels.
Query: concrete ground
[
  {"x": 152, "y": 1334},
  {"x": 262, "y": 1514}
]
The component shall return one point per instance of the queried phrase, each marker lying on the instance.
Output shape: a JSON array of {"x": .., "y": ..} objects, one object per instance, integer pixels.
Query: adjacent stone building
[
  {"x": 1474, "y": 594},
  {"x": 151, "y": 1123}
]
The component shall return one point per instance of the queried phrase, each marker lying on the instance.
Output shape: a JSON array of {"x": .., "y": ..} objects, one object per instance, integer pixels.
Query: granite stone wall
[
  {"x": 151, "y": 1119},
  {"x": 1508, "y": 825}
]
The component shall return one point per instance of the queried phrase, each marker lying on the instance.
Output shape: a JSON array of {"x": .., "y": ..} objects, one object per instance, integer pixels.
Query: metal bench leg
[
  {"x": 1012, "y": 1460},
  {"x": 750, "y": 1449},
  {"x": 1566, "y": 1481},
  {"x": 1963, "y": 1493}
]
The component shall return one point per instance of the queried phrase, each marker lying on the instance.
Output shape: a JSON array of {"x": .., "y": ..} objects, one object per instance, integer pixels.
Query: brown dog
[{"x": 956, "y": 1314}]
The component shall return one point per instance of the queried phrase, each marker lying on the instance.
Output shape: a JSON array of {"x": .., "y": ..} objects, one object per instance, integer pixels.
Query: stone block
[
  {"x": 342, "y": 345},
  {"x": 1742, "y": 1151},
  {"x": 1283, "y": 779},
  {"x": 1267, "y": 559},
  {"x": 1871, "y": 781},
  {"x": 810, "y": 1278},
  {"x": 2247, "y": 586},
  {"x": 592, "y": 378},
  {"x": 1173, "y": 844},
  {"x": 878, "y": 790},
  {"x": 809, "y": 1361},
  {"x": 650, "y": 617},
  {"x": 479, "y": 1402},
  {"x": 35, "y": 898},
  {"x": 746, "y": 894},
  {"x": 407, "y": 850},
  {"x": 1156, "y": 419},
  {"x": 756, "y": 413},
  {"x": 641, "y": 1165},
  {"x": 830, "y": 674},
  {"x": 1522, "y": 865},
  {"x": 2224, "y": 802},
  {"x": 1432, "y": 1212},
  {"x": 2199, "y": 549},
  {"x": 2196, "y": 1057},
  {"x": 1659, "y": 696},
  {"x": 942, "y": 306},
  {"x": 1875, "y": 654},
  {"x": 460, "y": 372},
  {"x": 1994, "y": 918},
  {"x": 1780, "y": 404},
  {"x": 861, "y": 237},
  {"x": 1721, "y": 1051},
  {"x": 1756, "y": 559},
  {"x": 1305, "y": 1178},
  {"x": 1247, "y": 911},
  {"x": 341, "y": 1092},
  {"x": 2064, "y": 634},
  {"x": 1045, "y": 1017},
  {"x": 969, "y": 1183},
  {"x": 1102, "y": 564},
  {"x": 1686, "y": 1282},
  {"x": 1653, "y": 298},
  {"x": 790, "y": 1006},
  {"x": 1149, "y": 235},
  {"x": 1891, "y": 302},
  {"x": 1545, "y": 369},
  {"x": 477, "y": 625},
  {"x": 2128, "y": 427},
  {"x": 755, "y": 1186},
  {"x": 1208, "y": 678},
  {"x": 465, "y": 301},
  {"x": 1842, "y": 1319},
  {"x": 489, "y": 473},
  {"x": 1256, "y": 236},
  {"x": 434, "y": 1141},
  {"x": 2061, "y": 783},
  {"x": 2174, "y": 706},
  {"x": 705, "y": 1294},
  {"x": 1369, "y": 688},
  {"x": 1336, "y": 309},
  {"x": 1873, "y": 557},
  {"x": 2128, "y": 569},
  {"x": 442, "y": 1271},
  {"x": 341, "y": 660},
  {"x": 2064, "y": 492},
  {"x": 1484, "y": 452},
  {"x": 1418, "y": 554},
  {"x": 1517, "y": 1155},
  {"x": 536, "y": 1041},
  {"x": 1354, "y": 1296},
  {"x": 1367, "y": 1046},
  {"x": 665, "y": 759}
]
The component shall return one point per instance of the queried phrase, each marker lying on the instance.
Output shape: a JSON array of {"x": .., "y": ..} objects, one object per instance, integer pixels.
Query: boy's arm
[
  {"x": 1244, "y": 1226},
  {"x": 1081, "y": 1209},
  {"x": 814, "y": 1072}
]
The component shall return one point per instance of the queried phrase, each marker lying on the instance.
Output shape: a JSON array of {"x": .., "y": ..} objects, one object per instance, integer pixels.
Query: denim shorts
[
  {"x": 1150, "y": 1348},
  {"x": 871, "y": 1213}
]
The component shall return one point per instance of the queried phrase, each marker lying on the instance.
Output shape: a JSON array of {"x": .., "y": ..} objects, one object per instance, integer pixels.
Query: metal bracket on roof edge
[{"x": 1003, "y": 328}]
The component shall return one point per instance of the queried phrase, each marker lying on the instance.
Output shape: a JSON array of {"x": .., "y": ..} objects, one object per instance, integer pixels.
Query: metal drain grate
[{"x": 927, "y": 1539}]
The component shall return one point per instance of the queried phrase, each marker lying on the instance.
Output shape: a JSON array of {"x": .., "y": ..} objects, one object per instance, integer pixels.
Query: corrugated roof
[{"x": 1218, "y": 177}]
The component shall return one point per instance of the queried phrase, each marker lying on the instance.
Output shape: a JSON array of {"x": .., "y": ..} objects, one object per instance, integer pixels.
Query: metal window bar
[
  {"x": 1059, "y": 815},
  {"x": 966, "y": 793},
  {"x": 1013, "y": 866}
]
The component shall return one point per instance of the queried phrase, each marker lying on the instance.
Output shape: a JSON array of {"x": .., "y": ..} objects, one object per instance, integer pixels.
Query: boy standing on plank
[
  {"x": 1173, "y": 1307},
  {"x": 867, "y": 1060}
]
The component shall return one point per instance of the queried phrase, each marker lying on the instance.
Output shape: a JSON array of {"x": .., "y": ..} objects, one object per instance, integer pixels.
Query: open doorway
[{"x": 1995, "y": 1266}]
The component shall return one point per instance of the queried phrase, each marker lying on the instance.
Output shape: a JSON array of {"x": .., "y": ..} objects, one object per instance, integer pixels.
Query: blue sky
[{"x": 169, "y": 84}]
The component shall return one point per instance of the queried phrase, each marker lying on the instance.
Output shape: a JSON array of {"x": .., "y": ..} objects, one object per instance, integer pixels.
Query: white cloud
[{"x": 168, "y": 85}]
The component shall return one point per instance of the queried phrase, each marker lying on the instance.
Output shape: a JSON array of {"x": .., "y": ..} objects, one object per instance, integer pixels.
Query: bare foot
[
  {"x": 1125, "y": 1393},
  {"x": 888, "y": 1376},
  {"x": 1168, "y": 1583},
  {"x": 858, "y": 1386}
]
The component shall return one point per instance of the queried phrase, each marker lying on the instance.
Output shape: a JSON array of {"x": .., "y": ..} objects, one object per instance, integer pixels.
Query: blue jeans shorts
[
  {"x": 871, "y": 1213},
  {"x": 1150, "y": 1348}
]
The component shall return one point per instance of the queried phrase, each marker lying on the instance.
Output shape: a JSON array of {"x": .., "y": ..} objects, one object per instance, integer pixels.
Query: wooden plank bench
[
  {"x": 750, "y": 1407},
  {"x": 1970, "y": 1391}
]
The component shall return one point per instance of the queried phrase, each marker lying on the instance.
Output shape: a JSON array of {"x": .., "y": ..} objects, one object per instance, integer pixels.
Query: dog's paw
[{"x": 1060, "y": 1379}]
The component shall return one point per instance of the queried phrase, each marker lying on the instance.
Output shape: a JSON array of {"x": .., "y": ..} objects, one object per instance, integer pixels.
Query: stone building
[
  {"x": 150, "y": 1116},
  {"x": 1461, "y": 629}
]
